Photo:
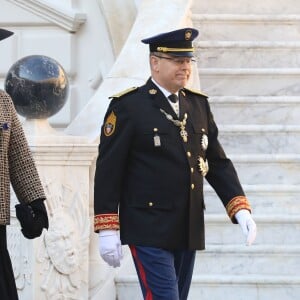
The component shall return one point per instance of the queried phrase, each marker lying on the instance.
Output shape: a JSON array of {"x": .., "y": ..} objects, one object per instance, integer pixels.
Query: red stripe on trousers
[{"x": 142, "y": 273}]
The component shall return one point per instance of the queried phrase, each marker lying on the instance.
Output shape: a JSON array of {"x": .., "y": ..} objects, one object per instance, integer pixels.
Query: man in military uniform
[
  {"x": 157, "y": 143},
  {"x": 16, "y": 167}
]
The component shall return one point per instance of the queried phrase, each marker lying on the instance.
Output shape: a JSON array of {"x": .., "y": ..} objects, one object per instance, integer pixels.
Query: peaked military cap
[
  {"x": 5, "y": 34},
  {"x": 177, "y": 42}
]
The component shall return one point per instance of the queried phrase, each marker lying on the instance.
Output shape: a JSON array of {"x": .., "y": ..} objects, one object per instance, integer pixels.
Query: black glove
[{"x": 33, "y": 218}]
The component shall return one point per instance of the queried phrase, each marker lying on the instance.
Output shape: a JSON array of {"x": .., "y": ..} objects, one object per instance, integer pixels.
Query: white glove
[
  {"x": 110, "y": 247},
  {"x": 247, "y": 224}
]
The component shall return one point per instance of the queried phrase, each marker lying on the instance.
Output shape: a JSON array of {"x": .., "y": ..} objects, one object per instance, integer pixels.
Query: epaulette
[
  {"x": 118, "y": 95},
  {"x": 197, "y": 92}
]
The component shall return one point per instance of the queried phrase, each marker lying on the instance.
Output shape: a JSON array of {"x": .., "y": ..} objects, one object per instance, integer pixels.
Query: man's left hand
[{"x": 247, "y": 224}]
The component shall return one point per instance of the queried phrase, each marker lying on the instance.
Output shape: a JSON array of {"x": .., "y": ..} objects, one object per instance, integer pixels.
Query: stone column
[{"x": 56, "y": 265}]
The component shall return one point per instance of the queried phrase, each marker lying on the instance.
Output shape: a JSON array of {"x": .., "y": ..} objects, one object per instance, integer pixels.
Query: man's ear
[{"x": 154, "y": 62}]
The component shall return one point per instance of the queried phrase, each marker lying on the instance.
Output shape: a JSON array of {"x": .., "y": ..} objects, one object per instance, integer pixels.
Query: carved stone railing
[
  {"x": 56, "y": 265},
  {"x": 64, "y": 17}
]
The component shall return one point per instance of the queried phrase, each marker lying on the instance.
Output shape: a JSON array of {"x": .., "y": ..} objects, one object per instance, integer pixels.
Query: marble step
[
  {"x": 260, "y": 139},
  {"x": 249, "y": 54},
  {"x": 267, "y": 168},
  {"x": 214, "y": 287},
  {"x": 264, "y": 199},
  {"x": 246, "y": 287},
  {"x": 246, "y": 7},
  {"x": 267, "y": 259},
  {"x": 258, "y": 259},
  {"x": 250, "y": 81},
  {"x": 247, "y": 27},
  {"x": 264, "y": 110},
  {"x": 280, "y": 229}
]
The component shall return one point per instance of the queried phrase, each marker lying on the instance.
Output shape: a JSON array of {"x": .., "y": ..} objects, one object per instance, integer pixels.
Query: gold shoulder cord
[
  {"x": 118, "y": 95},
  {"x": 195, "y": 92}
]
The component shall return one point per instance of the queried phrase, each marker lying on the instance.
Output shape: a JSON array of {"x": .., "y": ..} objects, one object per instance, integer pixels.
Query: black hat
[
  {"x": 5, "y": 34},
  {"x": 177, "y": 42}
]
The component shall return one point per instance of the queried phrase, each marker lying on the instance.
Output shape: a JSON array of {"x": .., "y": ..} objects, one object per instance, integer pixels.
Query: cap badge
[
  {"x": 188, "y": 35},
  {"x": 152, "y": 91},
  {"x": 110, "y": 124}
]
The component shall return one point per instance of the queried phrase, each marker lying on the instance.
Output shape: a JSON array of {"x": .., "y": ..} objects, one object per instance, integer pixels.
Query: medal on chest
[
  {"x": 178, "y": 123},
  {"x": 202, "y": 166},
  {"x": 204, "y": 142},
  {"x": 156, "y": 138}
]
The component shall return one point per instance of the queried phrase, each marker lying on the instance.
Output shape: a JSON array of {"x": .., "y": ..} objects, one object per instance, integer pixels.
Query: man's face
[{"x": 171, "y": 72}]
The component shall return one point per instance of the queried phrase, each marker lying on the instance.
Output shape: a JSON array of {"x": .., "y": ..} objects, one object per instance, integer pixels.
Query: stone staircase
[
  {"x": 248, "y": 54},
  {"x": 249, "y": 64}
]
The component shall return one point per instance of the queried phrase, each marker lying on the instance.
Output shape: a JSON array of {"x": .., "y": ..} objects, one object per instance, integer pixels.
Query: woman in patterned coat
[{"x": 16, "y": 167}]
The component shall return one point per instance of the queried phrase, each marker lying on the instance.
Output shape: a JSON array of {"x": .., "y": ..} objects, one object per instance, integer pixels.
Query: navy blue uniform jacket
[{"x": 154, "y": 193}]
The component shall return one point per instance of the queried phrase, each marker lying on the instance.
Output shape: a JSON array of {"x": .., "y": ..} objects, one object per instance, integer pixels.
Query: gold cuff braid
[
  {"x": 236, "y": 204},
  {"x": 106, "y": 221}
]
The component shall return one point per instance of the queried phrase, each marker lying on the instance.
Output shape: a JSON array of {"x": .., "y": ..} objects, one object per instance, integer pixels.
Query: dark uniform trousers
[{"x": 163, "y": 274}]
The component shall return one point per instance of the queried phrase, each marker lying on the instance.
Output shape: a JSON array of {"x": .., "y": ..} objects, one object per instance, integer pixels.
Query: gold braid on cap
[{"x": 166, "y": 49}]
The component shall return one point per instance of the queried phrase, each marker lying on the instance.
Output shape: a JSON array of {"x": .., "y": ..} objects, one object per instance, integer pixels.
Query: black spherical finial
[{"x": 38, "y": 86}]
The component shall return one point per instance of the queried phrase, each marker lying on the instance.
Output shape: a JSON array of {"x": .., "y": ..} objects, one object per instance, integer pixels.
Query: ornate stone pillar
[{"x": 56, "y": 265}]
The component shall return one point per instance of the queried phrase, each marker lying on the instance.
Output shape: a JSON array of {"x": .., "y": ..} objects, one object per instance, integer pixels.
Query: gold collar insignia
[{"x": 152, "y": 91}]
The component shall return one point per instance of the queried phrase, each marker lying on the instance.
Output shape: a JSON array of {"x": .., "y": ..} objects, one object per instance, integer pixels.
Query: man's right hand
[{"x": 110, "y": 247}]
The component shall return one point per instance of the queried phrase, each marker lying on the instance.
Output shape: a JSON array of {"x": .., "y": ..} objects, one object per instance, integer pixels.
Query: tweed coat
[
  {"x": 16, "y": 162},
  {"x": 149, "y": 181}
]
